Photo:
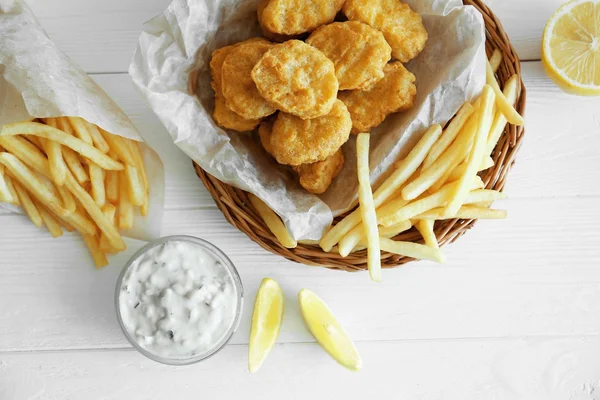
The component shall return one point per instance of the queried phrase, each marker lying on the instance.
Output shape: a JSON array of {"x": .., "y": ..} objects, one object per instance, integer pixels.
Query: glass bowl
[{"x": 225, "y": 262}]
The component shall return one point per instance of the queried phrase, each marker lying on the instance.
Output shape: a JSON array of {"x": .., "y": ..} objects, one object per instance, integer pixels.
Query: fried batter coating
[
  {"x": 227, "y": 119},
  {"x": 402, "y": 27},
  {"x": 395, "y": 92},
  {"x": 223, "y": 116},
  {"x": 239, "y": 91},
  {"x": 317, "y": 177},
  {"x": 265, "y": 131},
  {"x": 298, "y": 79},
  {"x": 293, "y": 17},
  {"x": 296, "y": 141},
  {"x": 358, "y": 52},
  {"x": 275, "y": 37}
]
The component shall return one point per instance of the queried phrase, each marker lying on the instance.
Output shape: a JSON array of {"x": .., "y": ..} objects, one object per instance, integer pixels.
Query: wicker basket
[{"x": 239, "y": 212}]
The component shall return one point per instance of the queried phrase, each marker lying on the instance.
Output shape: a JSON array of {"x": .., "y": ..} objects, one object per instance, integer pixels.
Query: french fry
[
  {"x": 425, "y": 228},
  {"x": 495, "y": 60},
  {"x": 451, "y": 157},
  {"x": 135, "y": 189},
  {"x": 119, "y": 146},
  {"x": 96, "y": 136},
  {"x": 98, "y": 256},
  {"x": 403, "y": 172},
  {"x": 449, "y": 134},
  {"x": 78, "y": 129},
  {"x": 391, "y": 214},
  {"x": 95, "y": 213},
  {"x": 461, "y": 190},
  {"x": 67, "y": 199},
  {"x": 134, "y": 147},
  {"x": 74, "y": 164},
  {"x": 58, "y": 167},
  {"x": 50, "y": 222},
  {"x": 504, "y": 106},
  {"x": 367, "y": 207},
  {"x": 465, "y": 212},
  {"x": 6, "y": 195},
  {"x": 394, "y": 212},
  {"x": 112, "y": 186},
  {"x": 510, "y": 91},
  {"x": 30, "y": 182},
  {"x": 50, "y": 133},
  {"x": 273, "y": 222},
  {"x": 413, "y": 250},
  {"x": 386, "y": 232},
  {"x": 36, "y": 142},
  {"x": 11, "y": 189},
  {"x": 35, "y": 159},
  {"x": 457, "y": 172},
  {"x": 29, "y": 206},
  {"x": 68, "y": 227},
  {"x": 125, "y": 206},
  {"x": 109, "y": 211},
  {"x": 97, "y": 181},
  {"x": 484, "y": 195},
  {"x": 64, "y": 125},
  {"x": 144, "y": 207}
]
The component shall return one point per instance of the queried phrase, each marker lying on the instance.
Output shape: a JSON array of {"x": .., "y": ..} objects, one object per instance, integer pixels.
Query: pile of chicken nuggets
[{"x": 307, "y": 97}]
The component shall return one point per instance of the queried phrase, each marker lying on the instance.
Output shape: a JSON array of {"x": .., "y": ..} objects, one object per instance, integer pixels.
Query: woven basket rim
[{"x": 238, "y": 210}]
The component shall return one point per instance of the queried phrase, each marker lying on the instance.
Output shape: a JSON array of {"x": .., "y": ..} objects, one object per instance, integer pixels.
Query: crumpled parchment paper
[
  {"x": 38, "y": 81},
  {"x": 449, "y": 71}
]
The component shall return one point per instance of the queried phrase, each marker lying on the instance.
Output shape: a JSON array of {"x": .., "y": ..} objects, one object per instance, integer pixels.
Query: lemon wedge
[
  {"x": 327, "y": 331},
  {"x": 571, "y": 47},
  {"x": 266, "y": 322}
]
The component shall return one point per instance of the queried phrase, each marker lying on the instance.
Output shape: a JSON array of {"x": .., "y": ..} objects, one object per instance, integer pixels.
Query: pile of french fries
[
  {"x": 437, "y": 180},
  {"x": 67, "y": 173}
]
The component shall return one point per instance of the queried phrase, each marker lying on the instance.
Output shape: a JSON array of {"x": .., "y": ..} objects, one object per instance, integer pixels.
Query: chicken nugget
[
  {"x": 297, "y": 78},
  {"x": 395, "y": 92},
  {"x": 358, "y": 52},
  {"x": 264, "y": 133},
  {"x": 317, "y": 177},
  {"x": 228, "y": 119},
  {"x": 297, "y": 141},
  {"x": 239, "y": 91},
  {"x": 275, "y": 37},
  {"x": 293, "y": 17},
  {"x": 222, "y": 115},
  {"x": 402, "y": 27}
]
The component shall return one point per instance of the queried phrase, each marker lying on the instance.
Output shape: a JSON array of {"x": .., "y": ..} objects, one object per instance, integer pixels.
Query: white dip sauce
[{"x": 177, "y": 300}]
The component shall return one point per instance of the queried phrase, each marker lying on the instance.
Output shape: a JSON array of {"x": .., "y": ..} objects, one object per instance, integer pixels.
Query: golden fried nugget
[
  {"x": 275, "y": 37},
  {"x": 358, "y": 52},
  {"x": 264, "y": 133},
  {"x": 217, "y": 59},
  {"x": 317, "y": 177},
  {"x": 395, "y": 92},
  {"x": 239, "y": 91},
  {"x": 228, "y": 119},
  {"x": 298, "y": 79},
  {"x": 297, "y": 141},
  {"x": 223, "y": 116},
  {"x": 293, "y": 17},
  {"x": 402, "y": 27}
]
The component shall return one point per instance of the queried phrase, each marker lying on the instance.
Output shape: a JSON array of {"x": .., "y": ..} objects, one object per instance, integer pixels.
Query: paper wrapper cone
[
  {"x": 179, "y": 42},
  {"x": 38, "y": 81}
]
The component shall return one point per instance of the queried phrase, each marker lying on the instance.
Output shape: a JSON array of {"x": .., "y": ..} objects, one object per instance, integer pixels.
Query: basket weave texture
[{"x": 238, "y": 210}]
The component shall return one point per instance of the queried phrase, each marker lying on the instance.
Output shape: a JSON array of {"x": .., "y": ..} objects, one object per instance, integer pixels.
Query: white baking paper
[
  {"x": 38, "y": 81},
  {"x": 449, "y": 71}
]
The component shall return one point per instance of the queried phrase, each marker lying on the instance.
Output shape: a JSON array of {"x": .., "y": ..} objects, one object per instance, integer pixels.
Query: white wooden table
[{"x": 514, "y": 314}]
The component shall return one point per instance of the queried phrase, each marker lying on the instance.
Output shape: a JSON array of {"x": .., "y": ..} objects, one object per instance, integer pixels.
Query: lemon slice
[
  {"x": 327, "y": 331},
  {"x": 266, "y": 322},
  {"x": 571, "y": 47}
]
